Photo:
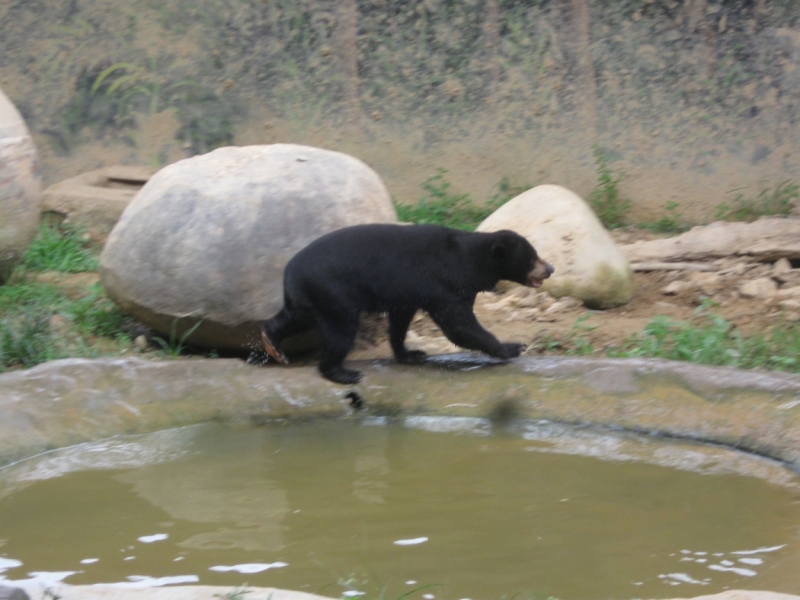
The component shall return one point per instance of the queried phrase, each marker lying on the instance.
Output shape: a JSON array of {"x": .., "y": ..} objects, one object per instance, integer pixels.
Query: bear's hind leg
[{"x": 278, "y": 328}]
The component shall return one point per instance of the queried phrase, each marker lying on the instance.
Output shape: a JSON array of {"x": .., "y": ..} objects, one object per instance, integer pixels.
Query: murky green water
[{"x": 347, "y": 507}]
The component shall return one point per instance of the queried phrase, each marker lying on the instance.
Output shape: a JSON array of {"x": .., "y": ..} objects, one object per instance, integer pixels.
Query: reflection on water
[{"x": 430, "y": 501}]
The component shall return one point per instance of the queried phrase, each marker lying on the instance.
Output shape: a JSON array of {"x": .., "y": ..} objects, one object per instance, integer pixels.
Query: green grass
[
  {"x": 440, "y": 206},
  {"x": 711, "y": 340},
  {"x": 59, "y": 248},
  {"x": 671, "y": 222},
  {"x": 706, "y": 338},
  {"x": 175, "y": 345},
  {"x": 606, "y": 199},
  {"x": 38, "y": 322},
  {"x": 776, "y": 200}
]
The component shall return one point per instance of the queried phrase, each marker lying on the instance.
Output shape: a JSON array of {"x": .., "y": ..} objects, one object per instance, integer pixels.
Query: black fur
[{"x": 399, "y": 270}]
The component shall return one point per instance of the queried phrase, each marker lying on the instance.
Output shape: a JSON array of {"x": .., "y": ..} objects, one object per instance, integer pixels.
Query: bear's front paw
[
  {"x": 412, "y": 357},
  {"x": 513, "y": 349}
]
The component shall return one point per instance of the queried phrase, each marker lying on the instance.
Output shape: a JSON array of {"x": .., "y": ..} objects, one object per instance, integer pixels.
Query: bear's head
[{"x": 517, "y": 260}]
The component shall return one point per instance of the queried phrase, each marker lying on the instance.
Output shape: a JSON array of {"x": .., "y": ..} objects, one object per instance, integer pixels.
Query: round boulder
[
  {"x": 567, "y": 234},
  {"x": 20, "y": 188},
  {"x": 207, "y": 238}
]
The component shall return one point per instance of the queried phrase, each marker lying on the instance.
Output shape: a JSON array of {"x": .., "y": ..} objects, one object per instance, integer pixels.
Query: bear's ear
[{"x": 499, "y": 250}]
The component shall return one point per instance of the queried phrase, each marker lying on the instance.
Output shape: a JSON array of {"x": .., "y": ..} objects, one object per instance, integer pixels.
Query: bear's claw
[{"x": 273, "y": 351}]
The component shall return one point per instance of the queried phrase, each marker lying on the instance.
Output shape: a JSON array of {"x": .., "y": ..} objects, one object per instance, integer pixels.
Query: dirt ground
[{"x": 548, "y": 325}]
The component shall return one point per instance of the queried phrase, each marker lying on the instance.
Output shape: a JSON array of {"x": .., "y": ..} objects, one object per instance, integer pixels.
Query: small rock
[
  {"x": 781, "y": 266},
  {"x": 761, "y": 288},
  {"x": 790, "y": 278},
  {"x": 563, "y": 304},
  {"x": 708, "y": 283},
  {"x": 791, "y": 292},
  {"x": 790, "y": 304},
  {"x": 140, "y": 342},
  {"x": 676, "y": 287}
]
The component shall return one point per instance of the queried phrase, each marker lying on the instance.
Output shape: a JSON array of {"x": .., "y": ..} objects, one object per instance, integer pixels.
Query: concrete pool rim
[{"x": 72, "y": 401}]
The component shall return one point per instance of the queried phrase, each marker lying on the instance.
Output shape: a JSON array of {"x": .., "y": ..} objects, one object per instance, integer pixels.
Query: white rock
[
  {"x": 207, "y": 237},
  {"x": 20, "y": 188},
  {"x": 781, "y": 266},
  {"x": 762, "y": 288},
  {"x": 568, "y": 235},
  {"x": 791, "y": 292},
  {"x": 790, "y": 304},
  {"x": 708, "y": 283},
  {"x": 676, "y": 287}
]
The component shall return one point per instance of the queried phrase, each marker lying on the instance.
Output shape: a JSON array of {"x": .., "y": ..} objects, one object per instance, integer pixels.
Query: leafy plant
[
  {"x": 669, "y": 223},
  {"x": 777, "y": 200},
  {"x": 206, "y": 121},
  {"x": 505, "y": 192},
  {"x": 59, "y": 248},
  {"x": 26, "y": 338},
  {"x": 576, "y": 343},
  {"x": 442, "y": 207},
  {"x": 95, "y": 314},
  {"x": 175, "y": 346},
  {"x": 708, "y": 338},
  {"x": 606, "y": 199}
]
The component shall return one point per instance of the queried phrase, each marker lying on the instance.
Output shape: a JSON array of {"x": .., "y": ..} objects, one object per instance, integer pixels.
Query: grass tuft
[
  {"x": 38, "y": 322},
  {"x": 440, "y": 206},
  {"x": 671, "y": 222},
  {"x": 59, "y": 248},
  {"x": 708, "y": 338},
  {"x": 770, "y": 201},
  {"x": 606, "y": 199}
]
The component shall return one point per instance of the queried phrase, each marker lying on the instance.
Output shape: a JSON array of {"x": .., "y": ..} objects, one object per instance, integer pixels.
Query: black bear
[{"x": 397, "y": 269}]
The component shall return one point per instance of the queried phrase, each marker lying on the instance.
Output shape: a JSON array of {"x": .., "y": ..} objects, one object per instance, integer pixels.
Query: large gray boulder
[
  {"x": 207, "y": 238},
  {"x": 20, "y": 188},
  {"x": 567, "y": 234}
]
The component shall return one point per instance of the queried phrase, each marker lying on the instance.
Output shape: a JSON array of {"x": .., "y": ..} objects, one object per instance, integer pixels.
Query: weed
[
  {"x": 669, "y": 223},
  {"x": 95, "y": 314},
  {"x": 575, "y": 343},
  {"x": 175, "y": 346},
  {"x": 235, "y": 594},
  {"x": 129, "y": 83},
  {"x": 777, "y": 200},
  {"x": 606, "y": 199},
  {"x": 442, "y": 207},
  {"x": 505, "y": 192},
  {"x": 206, "y": 122},
  {"x": 59, "y": 248},
  {"x": 708, "y": 338},
  {"x": 26, "y": 339}
]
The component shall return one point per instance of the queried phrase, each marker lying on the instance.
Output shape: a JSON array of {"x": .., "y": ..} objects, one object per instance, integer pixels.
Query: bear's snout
[{"x": 541, "y": 271}]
